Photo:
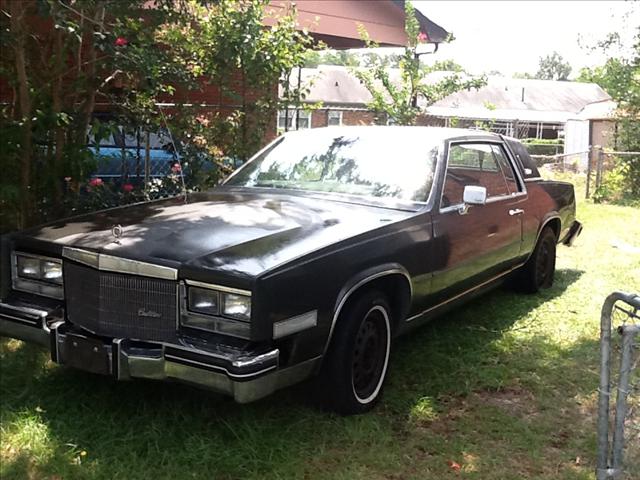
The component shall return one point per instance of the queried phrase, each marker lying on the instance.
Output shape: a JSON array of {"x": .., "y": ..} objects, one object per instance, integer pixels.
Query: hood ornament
[{"x": 117, "y": 232}]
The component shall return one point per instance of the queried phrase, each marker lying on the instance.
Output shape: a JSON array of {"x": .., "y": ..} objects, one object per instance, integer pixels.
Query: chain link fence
[
  {"x": 601, "y": 167},
  {"x": 140, "y": 160}
]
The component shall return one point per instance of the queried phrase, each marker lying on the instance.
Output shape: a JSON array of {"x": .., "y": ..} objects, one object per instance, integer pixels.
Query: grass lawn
[{"x": 502, "y": 388}]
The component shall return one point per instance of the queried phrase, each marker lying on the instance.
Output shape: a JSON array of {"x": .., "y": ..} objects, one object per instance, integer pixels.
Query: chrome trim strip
[
  {"x": 33, "y": 323},
  {"x": 501, "y": 198},
  {"x": 85, "y": 257},
  {"x": 273, "y": 355},
  {"x": 39, "y": 257},
  {"x": 56, "y": 339},
  {"x": 26, "y": 310},
  {"x": 110, "y": 263},
  {"x": 355, "y": 287},
  {"x": 220, "y": 288},
  {"x": 118, "y": 354},
  {"x": 189, "y": 361},
  {"x": 533, "y": 179},
  {"x": 194, "y": 349},
  {"x": 461, "y": 294}
]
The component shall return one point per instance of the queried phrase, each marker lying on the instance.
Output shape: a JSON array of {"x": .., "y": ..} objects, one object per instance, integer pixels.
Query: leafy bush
[{"x": 616, "y": 186}]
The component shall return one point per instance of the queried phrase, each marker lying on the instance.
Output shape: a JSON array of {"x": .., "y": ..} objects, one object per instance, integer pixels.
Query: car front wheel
[{"x": 355, "y": 368}]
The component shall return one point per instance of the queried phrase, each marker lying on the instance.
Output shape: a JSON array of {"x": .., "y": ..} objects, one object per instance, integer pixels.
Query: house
[
  {"x": 522, "y": 108},
  {"x": 592, "y": 128},
  {"x": 515, "y": 107},
  {"x": 335, "y": 23}
]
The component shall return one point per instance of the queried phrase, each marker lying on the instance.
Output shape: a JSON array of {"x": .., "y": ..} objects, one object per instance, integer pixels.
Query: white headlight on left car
[
  {"x": 37, "y": 274},
  {"x": 216, "y": 308},
  {"x": 236, "y": 306},
  {"x": 52, "y": 271}
]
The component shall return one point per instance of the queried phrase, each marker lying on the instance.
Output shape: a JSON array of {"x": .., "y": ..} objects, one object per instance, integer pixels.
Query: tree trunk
[
  {"x": 18, "y": 11},
  {"x": 59, "y": 132},
  {"x": 86, "y": 110}
]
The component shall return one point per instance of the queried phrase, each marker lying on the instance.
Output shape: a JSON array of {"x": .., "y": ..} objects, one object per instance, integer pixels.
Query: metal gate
[{"x": 623, "y": 309}]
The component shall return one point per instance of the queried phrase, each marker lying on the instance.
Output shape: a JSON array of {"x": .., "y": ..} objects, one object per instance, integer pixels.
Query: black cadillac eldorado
[{"x": 306, "y": 262}]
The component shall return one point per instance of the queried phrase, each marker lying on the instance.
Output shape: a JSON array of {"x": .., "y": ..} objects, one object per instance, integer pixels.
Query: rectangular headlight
[
  {"x": 37, "y": 274},
  {"x": 52, "y": 272},
  {"x": 203, "y": 300},
  {"x": 236, "y": 306},
  {"x": 216, "y": 308},
  {"x": 28, "y": 267}
]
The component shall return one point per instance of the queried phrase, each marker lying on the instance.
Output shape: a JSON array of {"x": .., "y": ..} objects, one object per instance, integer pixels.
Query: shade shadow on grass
[{"x": 145, "y": 429}]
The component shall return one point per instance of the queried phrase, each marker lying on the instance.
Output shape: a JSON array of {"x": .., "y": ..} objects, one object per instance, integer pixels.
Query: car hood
[{"x": 238, "y": 232}]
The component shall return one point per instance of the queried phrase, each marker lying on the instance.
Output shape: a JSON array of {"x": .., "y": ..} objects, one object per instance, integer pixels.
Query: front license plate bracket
[{"x": 87, "y": 354}]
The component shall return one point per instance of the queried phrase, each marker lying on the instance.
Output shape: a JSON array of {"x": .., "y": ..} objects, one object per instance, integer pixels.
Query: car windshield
[{"x": 395, "y": 163}]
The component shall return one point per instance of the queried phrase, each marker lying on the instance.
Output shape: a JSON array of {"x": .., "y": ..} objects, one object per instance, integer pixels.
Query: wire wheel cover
[{"x": 370, "y": 354}]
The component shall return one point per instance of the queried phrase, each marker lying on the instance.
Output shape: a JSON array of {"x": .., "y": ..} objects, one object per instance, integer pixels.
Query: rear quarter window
[{"x": 526, "y": 164}]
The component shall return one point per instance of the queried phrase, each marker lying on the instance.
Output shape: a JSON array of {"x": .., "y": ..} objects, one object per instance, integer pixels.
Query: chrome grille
[{"x": 120, "y": 305}]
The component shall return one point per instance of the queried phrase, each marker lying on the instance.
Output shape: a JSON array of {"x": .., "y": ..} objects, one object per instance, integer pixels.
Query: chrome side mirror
[{"x": 473, "y": 195}]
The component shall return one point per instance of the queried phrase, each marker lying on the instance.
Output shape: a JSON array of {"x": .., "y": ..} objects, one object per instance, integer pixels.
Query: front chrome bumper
[{"x": 246, "y": 376}]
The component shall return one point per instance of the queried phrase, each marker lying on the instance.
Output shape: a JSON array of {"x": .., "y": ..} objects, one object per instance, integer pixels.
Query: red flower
[
  {"x": 422, "y": 37},
  {"x": 127, "y": 188},
  {"x": 176, "y": 168},
  {"x": 121, "y": 42},
  {"x": 95, "y": 182}
]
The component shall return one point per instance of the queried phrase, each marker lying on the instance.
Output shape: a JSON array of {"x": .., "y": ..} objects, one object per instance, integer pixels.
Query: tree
[
  {"x": 226, "y": 44},
  {"x": 553, "y": 67},
  {"x": 620, "y": 78},
  {"x": 445, "y": 66},
  {"x": 132, "y": 58},
  {"x": 395, "y": 100},
  {"x": 58, "y": 75},
  {"x": 524, "y": 76}
]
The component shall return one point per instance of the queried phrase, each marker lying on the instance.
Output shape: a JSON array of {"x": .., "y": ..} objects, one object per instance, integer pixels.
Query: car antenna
[{"x": 177, "y": 154}]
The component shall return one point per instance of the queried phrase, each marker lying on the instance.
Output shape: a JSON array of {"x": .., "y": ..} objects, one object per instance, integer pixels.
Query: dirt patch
[{"x": 516, "y": 402}]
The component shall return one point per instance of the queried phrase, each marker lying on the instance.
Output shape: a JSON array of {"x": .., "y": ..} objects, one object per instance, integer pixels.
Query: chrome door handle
[{"x": 516, "y": 211}]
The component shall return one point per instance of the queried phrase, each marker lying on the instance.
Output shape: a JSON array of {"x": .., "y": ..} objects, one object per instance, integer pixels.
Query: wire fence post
[
  {"x": 599, "y": 167},
  {"x": 588, "y": 187}
]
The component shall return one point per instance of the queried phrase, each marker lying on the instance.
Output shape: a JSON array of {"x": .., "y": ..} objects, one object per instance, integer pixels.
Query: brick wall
[
  {"x": 358, "y": 117},
  {"x": 319, "y": 118}
]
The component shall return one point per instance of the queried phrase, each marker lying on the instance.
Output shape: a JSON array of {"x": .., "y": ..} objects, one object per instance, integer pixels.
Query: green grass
[{"x": 503, "y": 388}]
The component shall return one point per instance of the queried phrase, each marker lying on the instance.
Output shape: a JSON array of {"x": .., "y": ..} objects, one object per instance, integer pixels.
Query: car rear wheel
[
  {"x": 356, "y": 364},
  {"x": 538, "y": 272}
]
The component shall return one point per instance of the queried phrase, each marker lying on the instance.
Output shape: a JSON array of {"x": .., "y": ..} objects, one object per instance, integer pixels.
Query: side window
[
  {"x": 507, "y": 169},
  {"x": 473, "y": 164}
]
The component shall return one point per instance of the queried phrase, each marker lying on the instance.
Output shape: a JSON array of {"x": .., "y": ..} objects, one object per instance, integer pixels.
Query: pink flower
[
  {"x": 95, "y": 182},
  {"x": 422, "y": 37},
  {"x": 67, "y": 179},
  {"x": 202, "y": 120},
  {"x": 176, "y": 168},
  {"x": 121, "y": 42},
  {"x": 127, "y": 188}
]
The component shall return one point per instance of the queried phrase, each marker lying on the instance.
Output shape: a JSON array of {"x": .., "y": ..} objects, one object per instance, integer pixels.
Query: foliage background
[{"x": 63, "y": 61}]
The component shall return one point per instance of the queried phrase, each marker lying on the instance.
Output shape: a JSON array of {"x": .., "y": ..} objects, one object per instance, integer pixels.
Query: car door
[{"x": 477, "y": 242}]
